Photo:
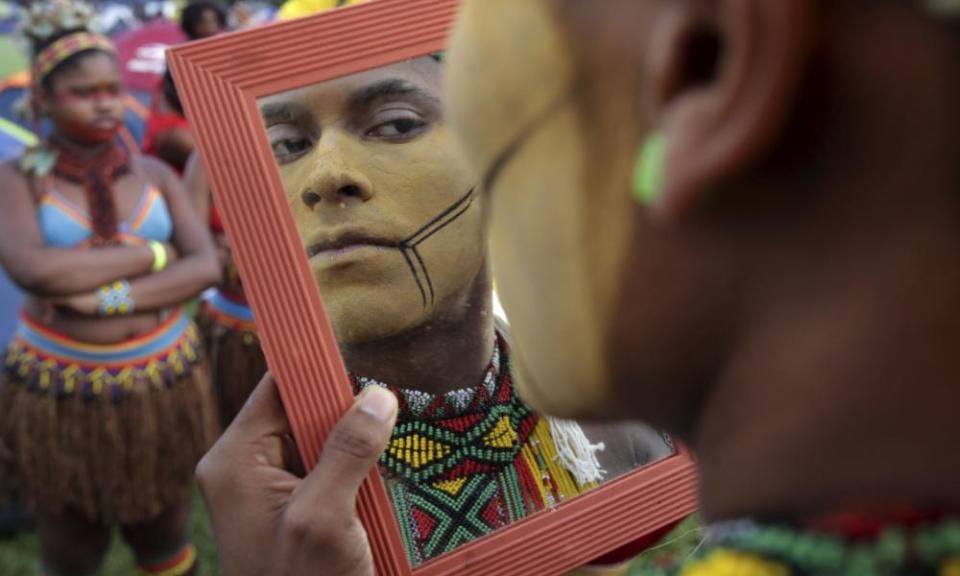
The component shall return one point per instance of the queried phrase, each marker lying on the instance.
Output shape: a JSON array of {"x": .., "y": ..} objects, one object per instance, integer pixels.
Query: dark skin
[
  {"x": 788, "y": 304},
  {"x": 174, "y": 146},
  {"x": 61, "y": 284},
  {"x": 68, "y": 278},
  {"x": 198, "y": 187},
  {"x": 208, "y": 25}
]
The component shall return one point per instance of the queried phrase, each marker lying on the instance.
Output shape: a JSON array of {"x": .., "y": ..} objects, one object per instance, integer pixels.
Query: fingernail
[{"x": 378, "y": 403}]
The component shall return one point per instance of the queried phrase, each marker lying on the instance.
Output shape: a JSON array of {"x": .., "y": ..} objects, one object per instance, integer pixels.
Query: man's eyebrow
[
  {"x": 386, "y": 89},
  {"x": 275, "y": 112}
]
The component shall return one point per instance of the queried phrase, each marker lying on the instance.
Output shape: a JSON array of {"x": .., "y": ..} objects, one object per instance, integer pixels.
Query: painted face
[
  {"x": 381, "y": 197},
  {"x": 86, "y": 101},
  {"x": 559, "y": 223}
]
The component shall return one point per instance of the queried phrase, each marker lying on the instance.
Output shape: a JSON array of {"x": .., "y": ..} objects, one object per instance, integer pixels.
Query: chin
[{"x": 356, "y": 320}]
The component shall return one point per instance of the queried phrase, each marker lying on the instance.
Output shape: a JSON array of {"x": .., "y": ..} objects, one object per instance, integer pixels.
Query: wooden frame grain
[{"x": 220, "y": 80}]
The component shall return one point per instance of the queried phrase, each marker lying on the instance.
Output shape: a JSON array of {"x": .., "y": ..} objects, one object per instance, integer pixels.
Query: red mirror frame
[{"x": 220, "y": 80}]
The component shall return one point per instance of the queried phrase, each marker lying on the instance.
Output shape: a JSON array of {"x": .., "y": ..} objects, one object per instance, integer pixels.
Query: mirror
[{"x": 392, "y": 223}]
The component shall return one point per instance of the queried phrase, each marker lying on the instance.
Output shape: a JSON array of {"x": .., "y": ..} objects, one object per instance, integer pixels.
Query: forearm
[
  {"x": 178, "y": 283},
  {"x": 53, "y": 272}
]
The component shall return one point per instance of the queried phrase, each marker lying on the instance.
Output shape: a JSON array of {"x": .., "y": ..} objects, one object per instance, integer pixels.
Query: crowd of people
[{"x": 734, "y": 220}]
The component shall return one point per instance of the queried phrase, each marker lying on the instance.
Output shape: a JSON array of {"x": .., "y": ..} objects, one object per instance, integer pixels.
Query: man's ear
[{"x": 724, "y": 76}]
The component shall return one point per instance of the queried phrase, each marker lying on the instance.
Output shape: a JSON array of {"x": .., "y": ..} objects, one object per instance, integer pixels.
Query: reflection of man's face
[{"x": 381, "y": 199}]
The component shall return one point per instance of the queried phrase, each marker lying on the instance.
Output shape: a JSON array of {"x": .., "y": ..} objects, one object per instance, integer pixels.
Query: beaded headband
[{"x": 64, "y": 48}]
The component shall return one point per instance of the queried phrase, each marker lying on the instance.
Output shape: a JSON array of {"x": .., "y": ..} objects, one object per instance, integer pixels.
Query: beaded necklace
[{"x": 461, "y": 465}]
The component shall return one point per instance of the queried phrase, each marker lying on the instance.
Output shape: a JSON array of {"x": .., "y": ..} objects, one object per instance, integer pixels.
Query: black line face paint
[{"x": 408, "y": 247}]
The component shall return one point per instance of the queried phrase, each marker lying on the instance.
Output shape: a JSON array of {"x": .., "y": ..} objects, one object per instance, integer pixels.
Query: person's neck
[
  {"x": 449, "y": 352},
  {"x": 80, "y": 149},
  {"x": 842, "y": 391}
]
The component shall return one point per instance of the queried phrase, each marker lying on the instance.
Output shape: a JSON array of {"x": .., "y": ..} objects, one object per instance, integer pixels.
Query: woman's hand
[
  {"x": 84, "y": 304},
  {"x": 267, "y": 519}
]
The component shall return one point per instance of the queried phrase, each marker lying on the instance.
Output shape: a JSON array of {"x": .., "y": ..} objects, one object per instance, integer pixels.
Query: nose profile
[{"x": 333, "y": 182}]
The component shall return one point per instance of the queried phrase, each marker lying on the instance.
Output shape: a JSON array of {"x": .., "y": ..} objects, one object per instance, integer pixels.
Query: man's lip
[{"x": 344, "y": 242}]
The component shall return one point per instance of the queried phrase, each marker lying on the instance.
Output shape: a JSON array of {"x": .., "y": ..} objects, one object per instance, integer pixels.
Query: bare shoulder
[
  {"x": 10, "y": 170},
  {"x": 12, "y": 177},
  {"x": 156, "y": 170}
]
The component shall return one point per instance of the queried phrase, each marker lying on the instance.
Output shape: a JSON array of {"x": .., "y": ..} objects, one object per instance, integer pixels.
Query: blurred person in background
[
  {"x": 106, "y": 405},
  {"x": 168, "y": 135}
]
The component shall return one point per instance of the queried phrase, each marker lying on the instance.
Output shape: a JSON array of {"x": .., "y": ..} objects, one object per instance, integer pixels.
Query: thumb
[{"x": 350, "y": 452}]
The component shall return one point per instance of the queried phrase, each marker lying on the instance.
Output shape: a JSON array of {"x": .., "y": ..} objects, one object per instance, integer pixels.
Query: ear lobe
[{"x": 725, "y": 85}]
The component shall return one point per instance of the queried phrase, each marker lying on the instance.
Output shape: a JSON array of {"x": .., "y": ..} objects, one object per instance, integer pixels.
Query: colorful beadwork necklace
[{"x": 463, "y": 464}]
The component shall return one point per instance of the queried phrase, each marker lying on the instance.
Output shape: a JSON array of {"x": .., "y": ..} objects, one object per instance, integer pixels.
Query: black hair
[
  {"x": 170, "y": 93},
  {"x": 193, "y": 13},
  {"x": 72, "y": 61}
]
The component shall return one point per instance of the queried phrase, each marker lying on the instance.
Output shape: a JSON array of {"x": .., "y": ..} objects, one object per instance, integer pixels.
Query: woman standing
[{"x": 106, "y": 408}]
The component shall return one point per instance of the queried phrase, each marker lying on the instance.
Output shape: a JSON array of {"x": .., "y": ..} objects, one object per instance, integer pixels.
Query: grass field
[{"x": 18, "y": 556}]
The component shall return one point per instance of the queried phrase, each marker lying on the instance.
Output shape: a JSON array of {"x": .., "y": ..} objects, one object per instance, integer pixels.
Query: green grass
[
  {"x": 20, "y": 556},
  {"x": 675, "y": 547}
]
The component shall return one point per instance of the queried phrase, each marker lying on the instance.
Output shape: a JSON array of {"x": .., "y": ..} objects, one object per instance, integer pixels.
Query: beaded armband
[{"x": 115, "y": 299}]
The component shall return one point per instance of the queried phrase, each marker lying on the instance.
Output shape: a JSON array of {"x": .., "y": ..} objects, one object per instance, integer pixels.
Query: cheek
[
  {"x": 294, "y": 177},
  {"x": 455, "y": 255},
  {"x": 71, "y": 112},
  {"x": 437, "y": 197},
  {"x": 542, "y": 270}
]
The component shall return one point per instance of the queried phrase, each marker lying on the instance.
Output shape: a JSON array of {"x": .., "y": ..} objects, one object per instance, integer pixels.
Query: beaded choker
[
  {"x": 466, "y": 463},
  {"x": 461, "y": 432}
]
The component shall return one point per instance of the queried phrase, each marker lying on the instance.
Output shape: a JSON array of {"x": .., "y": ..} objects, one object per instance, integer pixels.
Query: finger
[
  {"x": 256, "y": 433},
  {"x": 291, "y": 456},
  {"x": 349, "y": 453},
  {"x": 262, "y": 415}
]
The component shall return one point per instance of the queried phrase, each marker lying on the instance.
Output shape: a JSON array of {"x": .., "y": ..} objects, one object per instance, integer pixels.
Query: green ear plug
[{"x": 648, "y": 169}]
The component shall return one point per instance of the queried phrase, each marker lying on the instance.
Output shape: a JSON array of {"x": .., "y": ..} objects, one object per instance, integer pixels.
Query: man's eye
[
  {"x": 288, "y": 143},
  {"x": 397, "y": 126},
  {"x": 290, "y": 146}
]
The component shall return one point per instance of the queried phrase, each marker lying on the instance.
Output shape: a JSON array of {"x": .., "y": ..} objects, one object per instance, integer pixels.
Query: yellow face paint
[{"x": 382, "y": 200}]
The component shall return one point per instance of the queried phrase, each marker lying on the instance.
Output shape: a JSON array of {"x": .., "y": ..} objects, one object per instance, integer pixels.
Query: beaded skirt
[
  {"x": 237, "y": 362},
  {"x": 110, "y": 431},
  {"x": 466, "y": 463}
]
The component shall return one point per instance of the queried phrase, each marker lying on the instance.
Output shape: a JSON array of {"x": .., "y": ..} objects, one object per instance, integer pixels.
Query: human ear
[{"x": 723, "y": 77}]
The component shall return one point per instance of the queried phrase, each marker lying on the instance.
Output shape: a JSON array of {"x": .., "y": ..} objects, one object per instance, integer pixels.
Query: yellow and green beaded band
[
  {"x": 115, "y": 299},
  {"x": 53, "y": 55},
  {"x": 159, "y": 256}
]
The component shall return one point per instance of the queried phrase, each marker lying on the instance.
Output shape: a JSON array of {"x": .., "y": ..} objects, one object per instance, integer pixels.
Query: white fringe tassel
[{"x": 575, "y": 451}]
